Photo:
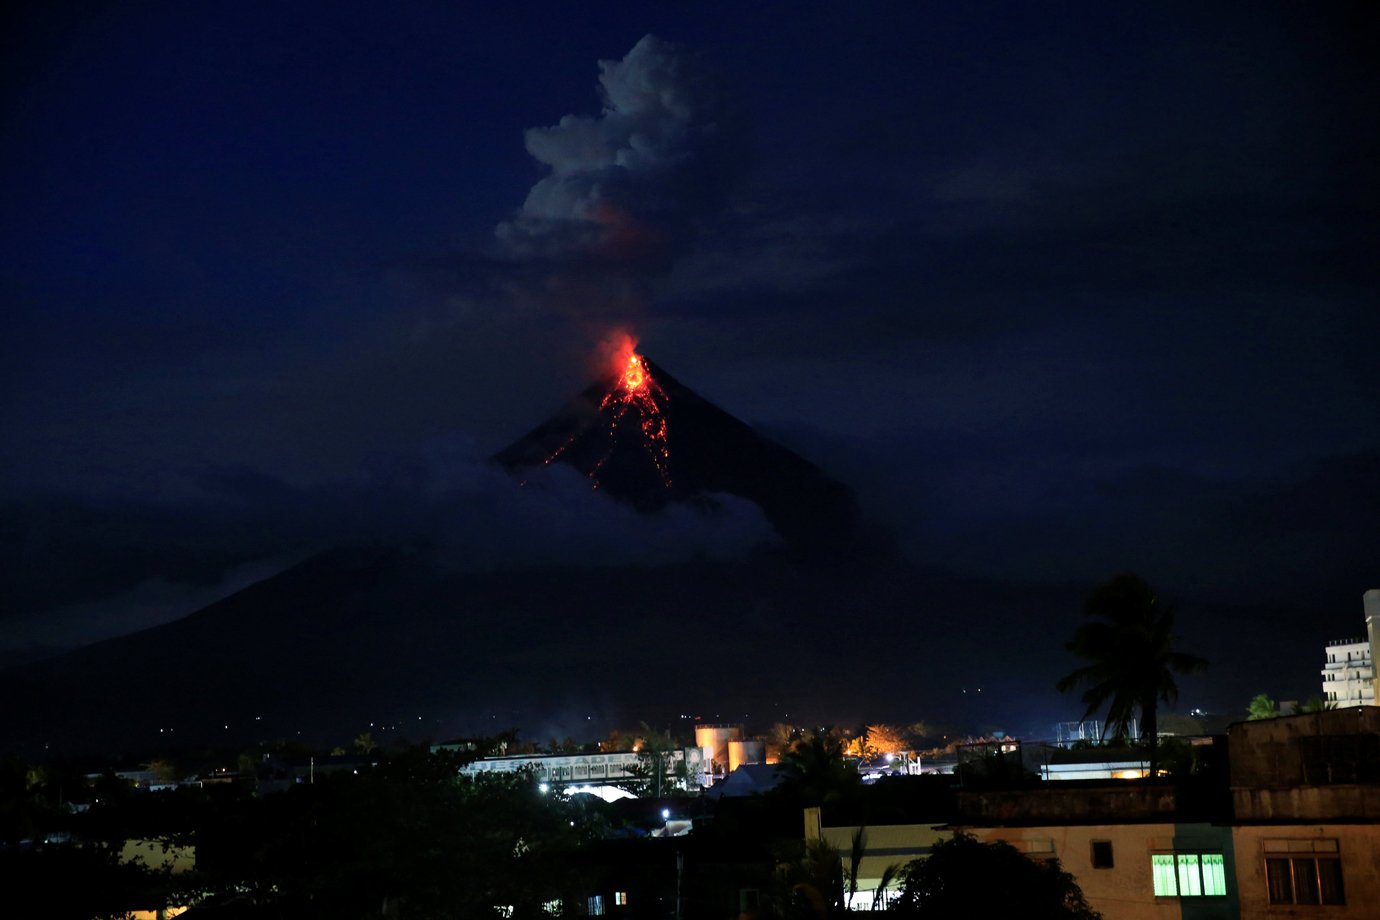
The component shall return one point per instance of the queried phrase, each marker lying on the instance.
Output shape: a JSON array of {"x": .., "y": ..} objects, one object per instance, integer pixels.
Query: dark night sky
[{"x": 1061, "y": 290}]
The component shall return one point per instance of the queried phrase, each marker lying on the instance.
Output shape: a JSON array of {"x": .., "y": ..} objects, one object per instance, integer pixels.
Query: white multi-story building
[{"x": 1349, "y": 675}]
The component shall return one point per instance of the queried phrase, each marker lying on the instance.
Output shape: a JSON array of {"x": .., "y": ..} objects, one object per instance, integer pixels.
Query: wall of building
[
  {"x": 1306, "y": 793},
  {"x": 1371, "y": 604},
  {"x": 1323, "y": 748},
  {"x": 885, "y": 845},
  {"x": 1355, "y": 846},
  {"x": 1069, "y": 802},
  {"x": 154, "y": 855},
  {"x": 1125, "y": 889}
]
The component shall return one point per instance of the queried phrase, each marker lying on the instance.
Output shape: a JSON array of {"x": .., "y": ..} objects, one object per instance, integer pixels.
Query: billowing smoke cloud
[
  {"x": 628, "y": 187},
  {"x": 629, "y": 194}
]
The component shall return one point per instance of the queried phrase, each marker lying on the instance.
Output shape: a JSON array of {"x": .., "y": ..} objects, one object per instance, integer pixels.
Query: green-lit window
[
  {"x": 1214, "y": 874},
  {"x": 1162, "y": 868},
  {"x": 1188, "y": 875}
]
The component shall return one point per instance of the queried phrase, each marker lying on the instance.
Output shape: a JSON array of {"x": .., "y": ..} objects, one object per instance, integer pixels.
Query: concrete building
[
  {"x": 1288, "y": 824},
  {"x": 683, "y": 768},
  {"x": 1093, "y": 763},
  {"x": 1371, "y": 602},
  {"x": 884, "y": 846},
  {"x": 1157, "y": 870},
  {"x": 1349, "y": 673},
  {"x": 1306, "y": 802}
]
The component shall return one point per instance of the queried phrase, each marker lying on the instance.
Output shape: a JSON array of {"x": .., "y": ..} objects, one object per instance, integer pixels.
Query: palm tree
[
  {"x": 1130, "y": 643},
  {"x": 809, "y": 885},
  {"x": 856, "y": 852},
  {"x": 1262, "y": 707},
  {"x": 890, "y": 874}
]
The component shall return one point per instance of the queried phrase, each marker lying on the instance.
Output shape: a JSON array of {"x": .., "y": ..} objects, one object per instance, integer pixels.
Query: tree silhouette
[
  {"x": 656, "y": 764},
  {"x": 856, "y": 851},
  {"x": 1262, "y": 707},
  {"x": 1130, "y": 642},
  {"x": 963, "y": 877},
  {"x": 779, "y": 739},
  {"x": 1315, "y": 703},
  {"x": 889, "y": 875},
  {"x": 810, "y": 885},
  {"x": 816, "y": 770}
]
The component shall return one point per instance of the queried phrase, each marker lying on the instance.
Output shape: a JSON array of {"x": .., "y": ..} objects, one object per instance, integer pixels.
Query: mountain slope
[
  {"x": 647, "y": 439},
  {"x": 397, "y": 636}
]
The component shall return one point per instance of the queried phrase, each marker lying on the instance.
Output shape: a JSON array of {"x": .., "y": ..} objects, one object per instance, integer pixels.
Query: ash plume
[
  {"x": 627, "y": 187},
  {"x": 629, "y": 193}
]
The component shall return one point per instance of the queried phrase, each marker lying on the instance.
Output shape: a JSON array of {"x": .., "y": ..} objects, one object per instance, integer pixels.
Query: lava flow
[{"x": 634, "y": 391}]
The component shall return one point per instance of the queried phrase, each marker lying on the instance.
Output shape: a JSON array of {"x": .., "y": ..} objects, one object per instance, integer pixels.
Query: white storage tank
[{"x": 713, "y": 740}]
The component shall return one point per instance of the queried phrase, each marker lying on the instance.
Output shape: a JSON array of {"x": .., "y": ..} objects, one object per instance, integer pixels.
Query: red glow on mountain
[
  {"x": 634, "y": 374},
  {"x": 635, "y": 391},
  {"x": 644, "y": 438}
]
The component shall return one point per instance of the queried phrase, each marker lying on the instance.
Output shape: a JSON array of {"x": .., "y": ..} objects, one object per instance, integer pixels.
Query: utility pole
[{"x": 680, "y": 870}]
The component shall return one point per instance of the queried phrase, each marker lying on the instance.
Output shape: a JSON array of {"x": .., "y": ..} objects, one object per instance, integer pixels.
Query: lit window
[
  {"x": 620, "y": 898},
  {"x": 1188, "y": 875},
  {"x": 596, "y": 905},
  {"x": 1214, "y": 875}
]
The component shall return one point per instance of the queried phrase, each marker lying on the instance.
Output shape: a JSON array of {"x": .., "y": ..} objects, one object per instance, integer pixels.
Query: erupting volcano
[
  {"x": 644, "y": 438},
  {"x": 637, "y": 392}
]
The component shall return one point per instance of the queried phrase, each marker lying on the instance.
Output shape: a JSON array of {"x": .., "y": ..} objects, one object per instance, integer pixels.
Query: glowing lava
[
  {"x": 634, "y": 375},
  {"x": 634, "y": 391}
]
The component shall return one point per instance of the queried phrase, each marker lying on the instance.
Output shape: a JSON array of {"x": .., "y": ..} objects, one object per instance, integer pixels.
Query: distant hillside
[{"x": 390, "y": 633}]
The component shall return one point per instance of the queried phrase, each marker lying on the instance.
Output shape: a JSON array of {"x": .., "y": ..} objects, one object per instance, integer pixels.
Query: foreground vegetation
[{"x": 410, "y": 837}]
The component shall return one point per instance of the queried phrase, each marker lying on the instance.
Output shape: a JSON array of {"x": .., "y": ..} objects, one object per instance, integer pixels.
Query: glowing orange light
[
  {"x": 635, "y": 389},
  {"x": 638, "y": 390},
  {"x": 635, "y": 374}
]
